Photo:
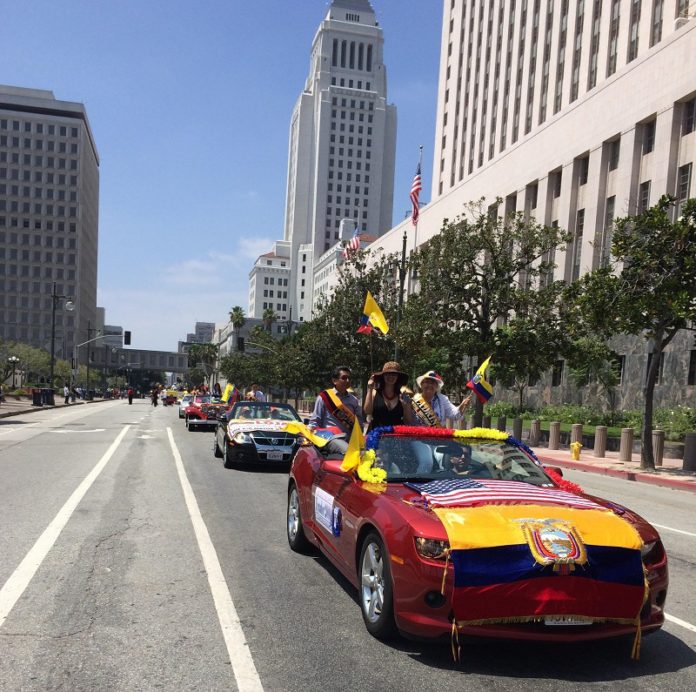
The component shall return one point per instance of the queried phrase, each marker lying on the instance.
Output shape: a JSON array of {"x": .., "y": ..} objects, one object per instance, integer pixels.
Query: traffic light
[{"x": 126, "y": 338}]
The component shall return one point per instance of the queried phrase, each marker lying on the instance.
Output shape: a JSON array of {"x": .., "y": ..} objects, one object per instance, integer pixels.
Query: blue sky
[{"x": 190, "y": 104}]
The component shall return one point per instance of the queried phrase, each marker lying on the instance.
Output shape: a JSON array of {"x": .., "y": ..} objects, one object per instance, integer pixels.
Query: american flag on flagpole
[
  {"x": 416, "y": 187},
  {"x": 353, "y": 244}
]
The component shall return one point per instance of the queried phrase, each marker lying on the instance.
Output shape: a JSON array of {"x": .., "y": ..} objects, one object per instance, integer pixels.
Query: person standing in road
[
  {"x": 384, "y": 400},
  {"x": 337, "y": 406},
  {"x": 130, "y": 395},
  {"x": 66, "y": 394}
]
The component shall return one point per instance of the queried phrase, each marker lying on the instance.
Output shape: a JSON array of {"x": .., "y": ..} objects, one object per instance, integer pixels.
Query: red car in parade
[
  {"x": 474, "y": 536},
  {"x": 203, "y": 411}
]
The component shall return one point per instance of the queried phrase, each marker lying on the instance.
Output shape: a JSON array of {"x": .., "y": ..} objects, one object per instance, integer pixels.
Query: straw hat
[
  {"x": 392, "y": 366},
  {"x": 431, "y": 375}
]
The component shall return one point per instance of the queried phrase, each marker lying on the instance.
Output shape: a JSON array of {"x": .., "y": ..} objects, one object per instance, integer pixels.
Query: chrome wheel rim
[
  {"x": 293, "y": 514},
  {"x": 372, "y": 582}
]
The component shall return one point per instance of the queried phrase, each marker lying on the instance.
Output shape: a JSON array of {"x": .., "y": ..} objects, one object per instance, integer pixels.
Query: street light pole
[
  {"x": 13, "y": 360},
  {"x": 69, "y": 306}
]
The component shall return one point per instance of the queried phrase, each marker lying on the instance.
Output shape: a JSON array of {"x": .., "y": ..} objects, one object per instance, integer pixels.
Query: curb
[{"x": 624, "y": 474}]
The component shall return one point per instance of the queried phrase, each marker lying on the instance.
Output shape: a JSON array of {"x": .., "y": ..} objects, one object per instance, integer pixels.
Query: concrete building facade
[
  {"x": 575, "y": 113},
  {"x": 342, "y": 142},
  {"x": 269, "y": 281},
  {"x": 49, "y": 200}
]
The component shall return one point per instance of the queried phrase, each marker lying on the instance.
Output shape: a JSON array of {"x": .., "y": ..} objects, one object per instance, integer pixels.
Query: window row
[
  {"x": 39, "y": 144},
  {"x": 281, "y": 307},
  {"x": 36, "y": 272},
  {"x": 270, "y": 281},
  {"x": 351, "y": 54},
  {"x": 349, "y": 83},
  {"x": 269, "y": 294},
  {"x": 38, "y": 128}
]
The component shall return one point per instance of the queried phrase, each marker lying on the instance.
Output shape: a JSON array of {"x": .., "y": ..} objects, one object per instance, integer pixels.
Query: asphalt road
[{"x": 109, "y": 578}]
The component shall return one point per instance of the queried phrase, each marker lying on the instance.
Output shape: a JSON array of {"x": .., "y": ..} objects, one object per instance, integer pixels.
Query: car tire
[
  {"x": 217, "y": 452},
  {"x": 297, "y": 539},
  {"x": 376, "y": 591},
  {"x": 226, "y": 458}
]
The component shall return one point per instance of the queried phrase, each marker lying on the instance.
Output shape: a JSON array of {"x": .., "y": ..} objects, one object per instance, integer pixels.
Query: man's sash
[
  {"x": 424, "y": 412},
  {"x": 337, "y": 408}
]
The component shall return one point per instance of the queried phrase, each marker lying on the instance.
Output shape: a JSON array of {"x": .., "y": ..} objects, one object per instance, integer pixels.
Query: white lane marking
[
  {"x": 63, "y": 432},
  {"x": 681, "y": 623},
  {"x": 243, "y": 667},
  {"x": 19, "y": 580},
  {"x": 669, "y": 528}
]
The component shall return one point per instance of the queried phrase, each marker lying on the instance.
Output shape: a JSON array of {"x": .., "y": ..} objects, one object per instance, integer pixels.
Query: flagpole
[
  {"x": 415, "y": 233},
  {"x": 402, "y": 267}
]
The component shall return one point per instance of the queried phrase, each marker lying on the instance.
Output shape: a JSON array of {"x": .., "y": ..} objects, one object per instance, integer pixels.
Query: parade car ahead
[
  {"x": 203, "y": 412},
  {"x": 184, "y": 404},
  {"x": 253, "y": 432},
  {"x": 454, "y": 533}
]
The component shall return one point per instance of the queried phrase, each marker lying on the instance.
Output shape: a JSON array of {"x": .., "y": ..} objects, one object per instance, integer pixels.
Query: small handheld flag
[
  {"x": 228, "y": 392},
  {"x": 478, "y": 383},
  {"x": 372, "y": 317}
]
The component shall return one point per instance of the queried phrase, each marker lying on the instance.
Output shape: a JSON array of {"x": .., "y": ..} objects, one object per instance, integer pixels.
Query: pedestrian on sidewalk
[{"x": 66, "y": 394}]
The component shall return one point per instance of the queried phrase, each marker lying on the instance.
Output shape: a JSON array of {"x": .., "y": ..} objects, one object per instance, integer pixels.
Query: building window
[
  {"x": 648, "y": 137},
  {"x": 633, "y": 35},
  {"x": 613, "y": 36},
  {"x": 607, "y": 232},
  {"x": 643, "y": 196},
  {"x": 656, "y": 27},
  {"x": 577, "y": 245},
  {"x": 683, "y": 186},
  {"x": 689, "y": 117},
  {"x": 594, "y": 44},
  {"x": 619, "y": 363},
  {"x": 556, "y": 183},
  {"x": 583, "y": 170},
  {"x": 614, "y": 153}
]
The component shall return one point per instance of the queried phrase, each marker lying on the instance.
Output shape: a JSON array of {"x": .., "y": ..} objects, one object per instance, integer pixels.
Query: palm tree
[
  {"x": 269, "y": 317},
  {"x": 237, "y": 317}
]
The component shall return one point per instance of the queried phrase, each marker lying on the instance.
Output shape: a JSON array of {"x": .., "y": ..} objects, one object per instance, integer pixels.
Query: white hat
[{"x": 431, "y": 375}]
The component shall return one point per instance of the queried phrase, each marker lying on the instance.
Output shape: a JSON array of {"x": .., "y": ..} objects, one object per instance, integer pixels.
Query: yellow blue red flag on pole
[
  {"x": 372, "y": 317},
  {"x": 478, "y": 383}
]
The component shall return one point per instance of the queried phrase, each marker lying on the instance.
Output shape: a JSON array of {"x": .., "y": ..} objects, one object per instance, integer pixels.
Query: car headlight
[
  {"x": 432, "y": 549},
  {"x": 242, "y": 438}
]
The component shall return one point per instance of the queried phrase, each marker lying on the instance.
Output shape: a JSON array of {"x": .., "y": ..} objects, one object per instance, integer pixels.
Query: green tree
[
  {"x": 237, "y": 317},
  {"x": 481, "y": 272},
  {"x": 650, "y": 290},
  {"x": 202, "y": 357}
]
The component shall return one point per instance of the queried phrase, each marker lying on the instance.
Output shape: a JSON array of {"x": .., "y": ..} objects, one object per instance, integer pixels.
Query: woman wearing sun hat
[
  {"x": 431, "y": 406},
  {"x": 384, "y": 400}
]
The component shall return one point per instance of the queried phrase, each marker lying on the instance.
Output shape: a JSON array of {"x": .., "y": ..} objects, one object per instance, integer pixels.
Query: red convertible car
[
  {"x": 466, "y": 532},
  {"x": 203, "y": 412}
]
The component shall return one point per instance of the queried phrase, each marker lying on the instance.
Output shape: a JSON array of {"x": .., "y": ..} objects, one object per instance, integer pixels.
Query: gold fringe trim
[
  {"x": 444, "y": 573},
  {"x": 541, "y": 618},
  {"x": 635, "y": 651},
  {"x": 454, "y": 643}
]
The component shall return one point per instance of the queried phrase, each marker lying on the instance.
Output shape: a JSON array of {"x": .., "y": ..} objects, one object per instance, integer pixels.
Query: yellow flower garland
[
  {"x": 481, "y": 434},
  {"x": 367, "y": 471}
]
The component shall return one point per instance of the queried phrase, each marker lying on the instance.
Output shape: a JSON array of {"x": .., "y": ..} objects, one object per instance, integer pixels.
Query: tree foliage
[
  {"x": 484, "y": 289},
  {"x": 650, "y": 290}
]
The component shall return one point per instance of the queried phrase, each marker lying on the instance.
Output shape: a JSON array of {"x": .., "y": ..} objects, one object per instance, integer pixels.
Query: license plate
[
  {"x": 274, "y": 456},
  {"x": 567, "y": 622}
]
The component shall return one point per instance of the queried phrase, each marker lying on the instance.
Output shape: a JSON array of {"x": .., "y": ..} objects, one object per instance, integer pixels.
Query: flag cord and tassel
[
  {"x": 444, "y": 574},
  {"x": 454, "y": 642},
  {"x": 635, "y": 651}
]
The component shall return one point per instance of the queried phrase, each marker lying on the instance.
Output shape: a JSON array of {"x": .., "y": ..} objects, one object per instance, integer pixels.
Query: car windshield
[
  {"x": 431, "y": 458},
  {"x": 201, "y": 399},
  {"x": 259, "y": 410}
]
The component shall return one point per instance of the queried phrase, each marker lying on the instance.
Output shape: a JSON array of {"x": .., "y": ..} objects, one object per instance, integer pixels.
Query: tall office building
[
  {"x": 49, "y": 197},
  {"x": 574, "y": 112},
  {"x": 342, "y": 143}
]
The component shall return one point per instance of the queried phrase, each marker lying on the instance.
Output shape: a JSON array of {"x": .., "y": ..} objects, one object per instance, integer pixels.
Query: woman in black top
[{"x": 384, "y": 401}]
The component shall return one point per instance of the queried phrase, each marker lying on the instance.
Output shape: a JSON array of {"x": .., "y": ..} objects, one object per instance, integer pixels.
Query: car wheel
[
  {"x": 296, "y": 535},
  {"x": 227, "y": 457},
  {"x": 217, "y": 453},
  {"x": 376, "y": 590}
]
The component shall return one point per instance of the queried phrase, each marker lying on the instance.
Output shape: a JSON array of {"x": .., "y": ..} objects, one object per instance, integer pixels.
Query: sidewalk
[
  {"x": 16, "y": 407},
  {"x": 669, "y": 475}
]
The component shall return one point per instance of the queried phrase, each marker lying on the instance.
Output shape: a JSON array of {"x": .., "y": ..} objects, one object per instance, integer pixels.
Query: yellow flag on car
[
  {"x": 302, "y": 429},
  {"x": 351, "y": 460}
]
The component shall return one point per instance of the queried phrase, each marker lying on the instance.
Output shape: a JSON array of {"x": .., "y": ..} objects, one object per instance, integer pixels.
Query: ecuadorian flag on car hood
[{"x": 517, "y": 561}]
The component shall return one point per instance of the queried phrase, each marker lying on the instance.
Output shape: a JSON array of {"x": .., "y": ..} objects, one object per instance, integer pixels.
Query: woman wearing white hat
[{"x": 431, "y": 406}]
